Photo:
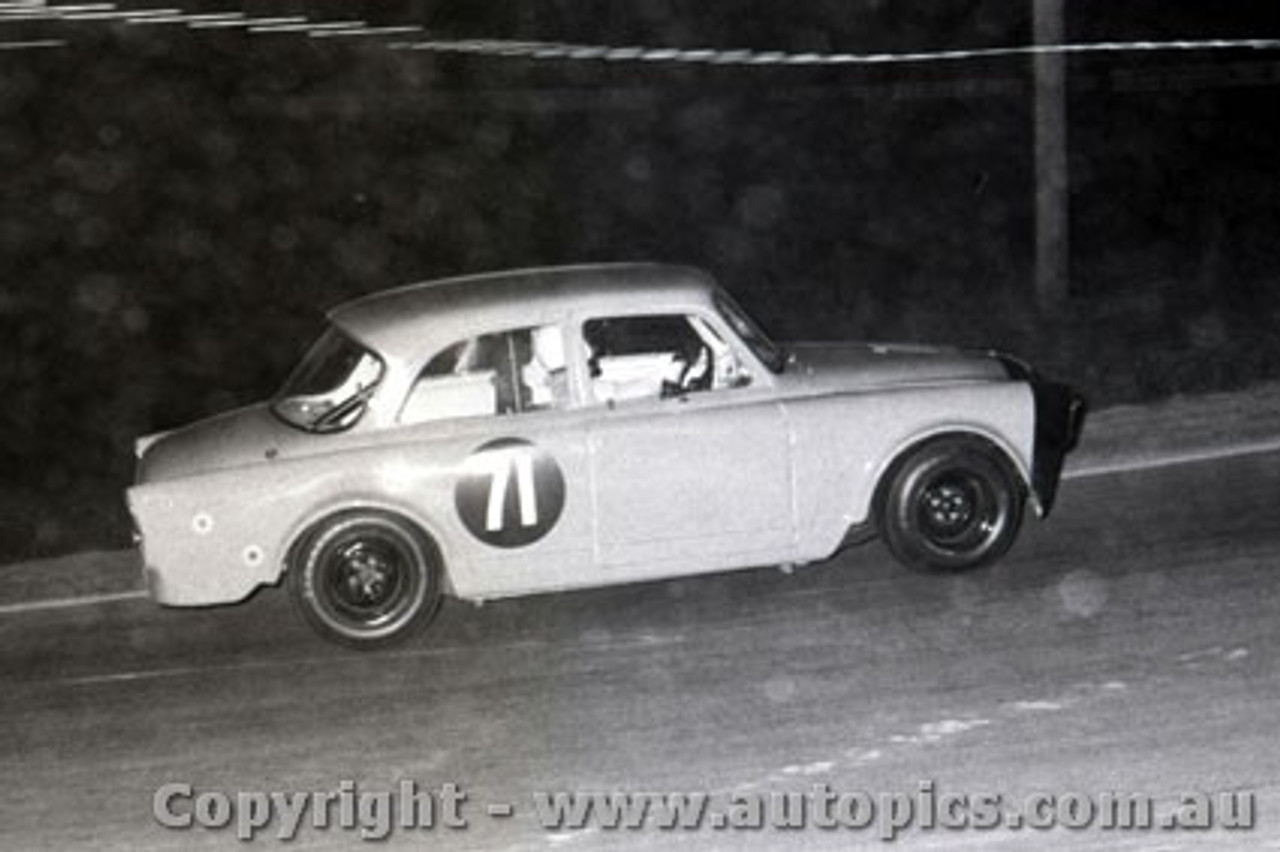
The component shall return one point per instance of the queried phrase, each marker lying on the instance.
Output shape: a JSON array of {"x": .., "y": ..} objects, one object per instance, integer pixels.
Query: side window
[
  {"x": 660, "y": 355},
  {"x": 505, "y": 373}
]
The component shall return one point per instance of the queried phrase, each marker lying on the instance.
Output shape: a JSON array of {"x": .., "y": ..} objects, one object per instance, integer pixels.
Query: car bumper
[{"x": 1060, "y": 413}]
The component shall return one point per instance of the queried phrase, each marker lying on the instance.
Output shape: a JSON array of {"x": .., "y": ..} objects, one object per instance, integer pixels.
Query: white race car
[{"x": 546, "y": 429}]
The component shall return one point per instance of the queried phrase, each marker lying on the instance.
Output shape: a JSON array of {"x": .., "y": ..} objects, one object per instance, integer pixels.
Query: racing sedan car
[{"x": 537, "y": 430}]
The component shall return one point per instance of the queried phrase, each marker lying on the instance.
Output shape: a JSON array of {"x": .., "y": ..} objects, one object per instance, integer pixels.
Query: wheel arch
[
  {"x": 905, "y": 449},
  {"x": 301, "y": 531}
]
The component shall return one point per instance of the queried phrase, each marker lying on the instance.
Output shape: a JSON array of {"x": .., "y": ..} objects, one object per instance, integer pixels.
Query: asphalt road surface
[{"x": 1129, "y": 644}]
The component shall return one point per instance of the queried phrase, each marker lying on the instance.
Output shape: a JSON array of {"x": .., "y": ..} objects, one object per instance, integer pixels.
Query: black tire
[
  {"x": 952, "y": 504},
  {"x": 366, "y": 579}
]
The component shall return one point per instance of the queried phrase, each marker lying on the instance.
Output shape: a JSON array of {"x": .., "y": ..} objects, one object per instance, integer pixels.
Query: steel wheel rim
[
  {"x": 368, "y": 579},
  {"x": 957, "y": 510}
]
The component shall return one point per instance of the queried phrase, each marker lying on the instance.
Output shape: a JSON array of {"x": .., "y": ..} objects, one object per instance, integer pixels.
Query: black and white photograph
[{"x": 584, "y": 425}]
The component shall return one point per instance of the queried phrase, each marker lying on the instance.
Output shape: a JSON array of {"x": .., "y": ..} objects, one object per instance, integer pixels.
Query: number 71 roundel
[{"x": 510, "y": 493}]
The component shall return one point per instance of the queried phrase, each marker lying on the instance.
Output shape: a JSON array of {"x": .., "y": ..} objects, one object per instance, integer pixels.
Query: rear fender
[{"x": 306, "y": 525}]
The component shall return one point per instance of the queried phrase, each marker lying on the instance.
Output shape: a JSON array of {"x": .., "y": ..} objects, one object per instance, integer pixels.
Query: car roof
[{"x": 402, "y": 320}]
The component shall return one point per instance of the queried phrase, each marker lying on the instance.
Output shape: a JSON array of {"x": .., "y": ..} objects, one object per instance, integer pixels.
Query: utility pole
[{"x": 1053, "y": 257}]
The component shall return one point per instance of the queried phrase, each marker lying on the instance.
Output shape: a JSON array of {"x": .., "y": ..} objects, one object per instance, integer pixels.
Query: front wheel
[
  {"x": 366, "y": 579},
  {"x": 953, "y": 504}
]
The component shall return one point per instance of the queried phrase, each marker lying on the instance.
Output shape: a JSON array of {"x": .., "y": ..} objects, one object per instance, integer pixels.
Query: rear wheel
[
  {"x": 366, "y": 579},
  {"x": 953, "y": 504}
]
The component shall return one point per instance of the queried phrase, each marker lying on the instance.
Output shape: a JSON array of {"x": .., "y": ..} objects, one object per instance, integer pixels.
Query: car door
[{"x": 690, "y": 462}]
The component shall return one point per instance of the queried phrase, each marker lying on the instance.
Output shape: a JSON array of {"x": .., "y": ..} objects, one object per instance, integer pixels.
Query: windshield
[
  {"x": 769, "y": 353},
  {"x": 329, "y": 390}
]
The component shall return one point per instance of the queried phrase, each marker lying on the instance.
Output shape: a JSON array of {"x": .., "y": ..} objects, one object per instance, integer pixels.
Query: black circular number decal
[{"x": 510, "y": 493}]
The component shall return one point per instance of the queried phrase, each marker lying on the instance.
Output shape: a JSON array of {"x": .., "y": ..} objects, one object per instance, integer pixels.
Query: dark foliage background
[{"x": 180, "y": 207}]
